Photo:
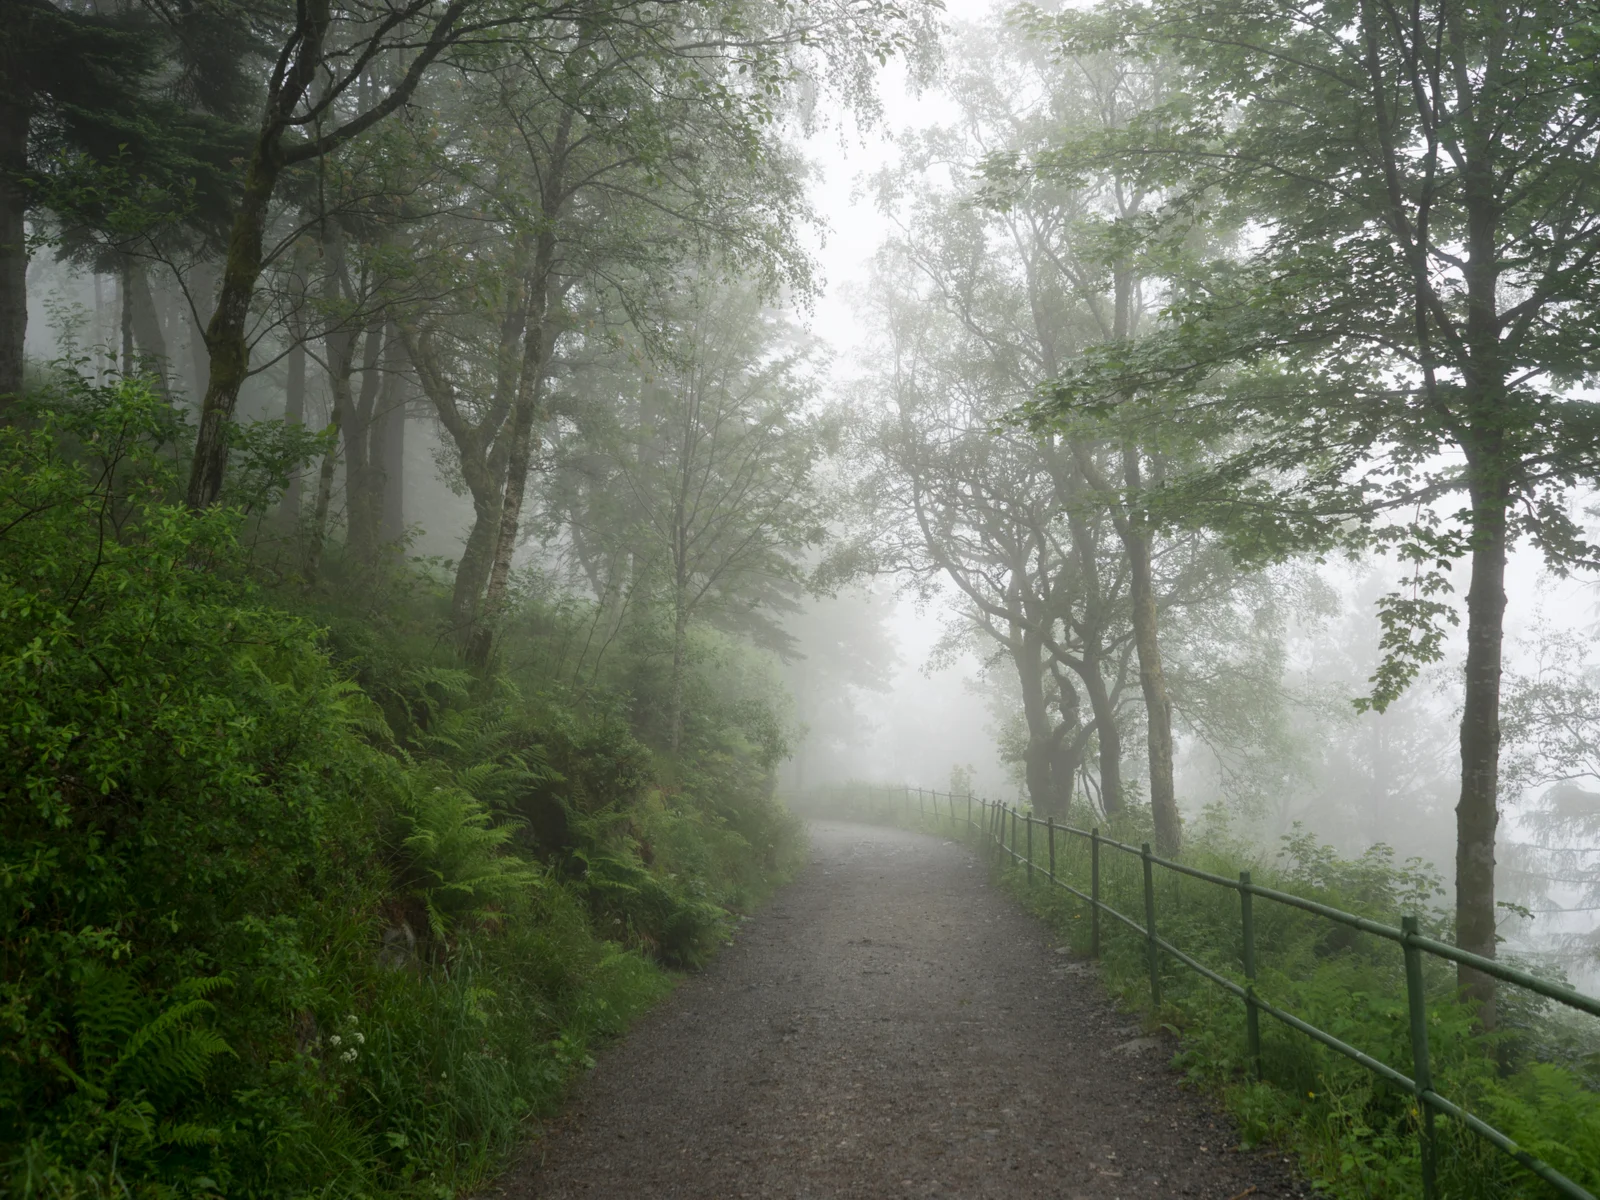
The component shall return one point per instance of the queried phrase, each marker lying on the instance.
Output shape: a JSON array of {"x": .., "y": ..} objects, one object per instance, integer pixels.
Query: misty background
[{"x": 887, "y": 682}]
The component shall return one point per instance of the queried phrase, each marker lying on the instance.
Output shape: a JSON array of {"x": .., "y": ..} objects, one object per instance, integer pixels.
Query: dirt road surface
[{"x": 891, "y": 1025}]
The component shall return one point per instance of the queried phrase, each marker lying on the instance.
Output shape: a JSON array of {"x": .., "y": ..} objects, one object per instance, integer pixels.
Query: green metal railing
[{"x": 998, "y": 824}]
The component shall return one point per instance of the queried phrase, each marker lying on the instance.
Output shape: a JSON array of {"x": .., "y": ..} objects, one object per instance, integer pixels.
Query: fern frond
[
  {"x": 172, "y": 1051},
  {"x": 187, "y": 1134},
  {"x": 359, "y": 711}
]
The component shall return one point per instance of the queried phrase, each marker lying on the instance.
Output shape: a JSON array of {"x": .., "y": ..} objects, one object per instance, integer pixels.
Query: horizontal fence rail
[{"x": 997, "y": 825}]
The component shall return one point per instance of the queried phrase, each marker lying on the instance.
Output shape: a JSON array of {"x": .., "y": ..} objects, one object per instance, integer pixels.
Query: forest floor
[{"x": 891, "y": 1024}]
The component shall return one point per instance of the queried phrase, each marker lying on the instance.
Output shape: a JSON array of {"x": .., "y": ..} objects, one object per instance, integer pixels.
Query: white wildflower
[
  {"x": 350, "y": 1055},
  {"x": 334, "y": 1039}
]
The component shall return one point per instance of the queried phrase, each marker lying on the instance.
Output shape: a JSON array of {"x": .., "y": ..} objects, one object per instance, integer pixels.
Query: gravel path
[{"x": 890, "y": 1025}]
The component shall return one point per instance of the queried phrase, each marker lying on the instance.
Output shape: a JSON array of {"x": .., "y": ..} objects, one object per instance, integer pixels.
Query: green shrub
[
  {"x": 1356, "y": 1135},
  {"x": 289, "y": 902}
]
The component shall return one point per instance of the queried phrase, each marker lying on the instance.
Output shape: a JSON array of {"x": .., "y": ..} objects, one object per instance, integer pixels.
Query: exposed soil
[{"x": 891, "y": 1025}]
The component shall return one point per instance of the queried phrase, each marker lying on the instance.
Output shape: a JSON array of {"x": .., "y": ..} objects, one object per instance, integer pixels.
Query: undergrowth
[{"x": 291, "y": 903}]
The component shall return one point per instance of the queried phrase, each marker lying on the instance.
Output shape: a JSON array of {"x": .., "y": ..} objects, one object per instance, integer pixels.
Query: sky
[{"x": 930, "y": 720}]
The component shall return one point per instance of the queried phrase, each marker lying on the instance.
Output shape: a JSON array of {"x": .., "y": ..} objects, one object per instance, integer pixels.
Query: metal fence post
[
  {"x": 1150, "y": 929},
  {"x": 1013, "y": 834},
  {"x": 969, "y": 808},
  {"x": 1094, "y": 892},
  {"x": 1050, "y": 832},
  {"x": 1252, "y": 1014},
  {"x": 1420, "y": 1071},
  {"x": 1029, "y": 819},
  {"x": 922, "y": 807}
]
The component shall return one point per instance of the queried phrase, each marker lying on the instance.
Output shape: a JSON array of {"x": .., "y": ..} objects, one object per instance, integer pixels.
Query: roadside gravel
[{"x": 891, "y": 1025}]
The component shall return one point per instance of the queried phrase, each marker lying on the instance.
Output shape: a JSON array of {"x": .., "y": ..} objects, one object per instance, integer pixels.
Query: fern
[
  {"x": 358, "y": 711},
  {"x": 109, "y": 1011},
  {"x": 187, "y": 1134},
  {"x": 173, "y": 1051},
  {"x": 458, "y": 861},
  {"x": 129, "y": 1047}
]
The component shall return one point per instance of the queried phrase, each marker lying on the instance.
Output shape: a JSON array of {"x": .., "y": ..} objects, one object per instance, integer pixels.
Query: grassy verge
[{"x": 1354, "y": 1135}]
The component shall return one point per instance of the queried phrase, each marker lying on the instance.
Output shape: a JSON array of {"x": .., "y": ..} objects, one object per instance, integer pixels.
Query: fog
[
  {"x": 1354, "y": 780},
  {"x": 889, "y": 676}
]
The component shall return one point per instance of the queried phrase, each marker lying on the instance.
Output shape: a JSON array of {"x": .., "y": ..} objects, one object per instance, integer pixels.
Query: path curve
[{"x": 890, "y": 1025}]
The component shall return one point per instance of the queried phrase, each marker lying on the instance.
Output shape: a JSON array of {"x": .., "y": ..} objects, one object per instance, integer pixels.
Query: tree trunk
[
  {"x": 518, "y": 465},
  {"x": 1152, "y": 677},
  {"x": 1101, "y": 706},
  {"x": 294, "y": 395},
  {"x": 1491, "y": 492},
  {"x": 227, "y": 349},
  {"x": 479, "y": 447},
  {"x": 125, "y": 316},
  {"x": 680, "y": 664},
  {"x": 147, "y": 324},
  {"x": 14, "y": 106},
  {"x": 1065, "y": 762},
  {"x": 389, "y": 445},
  {"x": 363, "y": 485},
  {"x": 294, "y": 413},
  {"x": 538, "y": 342},
  {"x": 1135, "y": 537},
  {"x": 1477, "y": 813},
  {"x": 339, "y": 347},
  {"x": 477, "y": 559},
  {"x": 1036, "y": 755},
  {"x": 1107, "y": 734},
  {"x": 318, "y": 535},
  {"x": 225, "y": 339},
  {"x": 1069, "y": 740}
]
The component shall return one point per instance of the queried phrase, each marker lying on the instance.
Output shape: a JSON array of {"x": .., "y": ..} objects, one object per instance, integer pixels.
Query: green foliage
[
  {"x": 1355, "y": 1134},
  {"x": 453, "y": 859},
  {"x": 280, "y": 908}
]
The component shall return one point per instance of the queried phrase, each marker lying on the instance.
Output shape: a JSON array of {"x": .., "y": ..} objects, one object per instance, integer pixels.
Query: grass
[{"x": 1353, "y": 1134}]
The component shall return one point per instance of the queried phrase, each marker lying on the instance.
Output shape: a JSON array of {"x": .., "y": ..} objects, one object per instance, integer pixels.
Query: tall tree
[
  {"x": 1032, "y": 268},
  {"x": 342, "y": 46},
  {"x": 609, "y": 162},
  {"x": 92, "y": 133},
  {"x": 704, "y": 474},
  {"x": 949, "y": 501},
  {"x": 1420, "y": 299}
]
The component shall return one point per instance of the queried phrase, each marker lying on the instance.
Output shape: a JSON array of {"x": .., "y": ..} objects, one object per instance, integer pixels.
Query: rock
[
  {"x": 399, "y": 947},
  {"x": 1137, "y": 1045}
]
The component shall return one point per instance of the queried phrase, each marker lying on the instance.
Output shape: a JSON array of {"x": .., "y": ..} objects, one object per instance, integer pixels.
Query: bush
[{"x": 276, "y": 915}]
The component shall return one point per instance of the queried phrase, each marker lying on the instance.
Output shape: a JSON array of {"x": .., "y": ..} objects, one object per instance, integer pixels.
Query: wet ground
[{"x": 891, "y": 1025}]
